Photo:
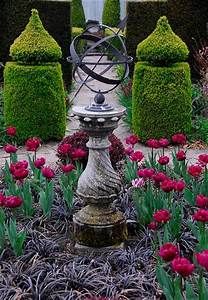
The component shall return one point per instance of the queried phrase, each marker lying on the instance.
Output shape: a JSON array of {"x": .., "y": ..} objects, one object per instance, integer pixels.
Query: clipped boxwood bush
[
  {"x": 111, "y": 13},
  {"x": 56, "y": 16},
  {"x": 161, "y": 100},
  {"x": 162, "y": 46},
  {"x": 78, "y": 16},
  {"x": 142, "y": 16},
  {"x": 35, "y": 45},
  {"x": 33, "y": 88}
]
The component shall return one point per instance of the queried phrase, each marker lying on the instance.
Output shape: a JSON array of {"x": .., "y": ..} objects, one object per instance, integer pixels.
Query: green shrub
[
  {"x": 35, "y": 45},
  {"x": 55, "y": 15},
  {"x": 161, "y": 100},
  {"x": 78, "y": 16},
  {"x": 34, "y": 100},
  {"x": 111, "y": 13},
  {"x": 199, "y": 130},
  {"x": 75, "y": 32},
  {"x": 142, "y": 17},
  {"x": 33, "y": 94},
  {"x": 163, "y": 46}
]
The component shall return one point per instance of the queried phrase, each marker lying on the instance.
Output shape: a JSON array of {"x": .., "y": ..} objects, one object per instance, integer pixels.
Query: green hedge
[
  {"x": 78, "y": 16},
  {"x": 187, "y": 18},
  {"x": 111, "y": 13},
  {"x": 142, "y": 17},
  {"x": 161, "y": 100},
  {"x": 35, "y": 45},
  {"x": 56, "y": 17},
  {"x": 162, "y": 46},
  {"x": 34, "y": 100}
]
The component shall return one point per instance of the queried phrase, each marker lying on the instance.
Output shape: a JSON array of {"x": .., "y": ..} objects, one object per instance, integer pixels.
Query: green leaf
[
  {"x": 189, "y": 196},
  {"x": 203, "y": 291},
  {"x": 165, "y": 282},
  {"x": 190, "y": 295},
  {"x": 177, "y": 289}
]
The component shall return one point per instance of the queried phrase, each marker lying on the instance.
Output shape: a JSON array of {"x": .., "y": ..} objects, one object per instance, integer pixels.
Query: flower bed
[{"x": 164, "y": 199}]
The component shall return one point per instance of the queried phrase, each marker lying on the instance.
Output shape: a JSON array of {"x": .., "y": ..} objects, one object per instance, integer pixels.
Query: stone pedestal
[{"x": 98, "y": 224}]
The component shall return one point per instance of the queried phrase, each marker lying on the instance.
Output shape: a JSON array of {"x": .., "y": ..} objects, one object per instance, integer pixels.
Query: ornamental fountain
[{"x": 99, "y": 223}]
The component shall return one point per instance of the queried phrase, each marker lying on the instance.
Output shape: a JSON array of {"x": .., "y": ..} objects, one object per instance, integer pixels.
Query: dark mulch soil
[{"x": 50, "y": 268}]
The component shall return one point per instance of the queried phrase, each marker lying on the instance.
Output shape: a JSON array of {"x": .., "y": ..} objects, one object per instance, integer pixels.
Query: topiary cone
[
  {"x": 35, "y": 45},
  {"x": 162, "y": 46}
]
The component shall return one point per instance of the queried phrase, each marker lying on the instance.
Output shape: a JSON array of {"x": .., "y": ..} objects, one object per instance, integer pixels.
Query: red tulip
[
  {"x": 163, "y": 142},
  {"x": 201, "y": 215},
  {"x": 64, "y": 149},
  {"x": 2, "y": 199},
  {"x": 179, "y": 138},
  {"x": 153, "y": 225},
  {"x": 146, "y": 172},
  {"x": 32, "y": 144},
  {"x": 13, "y": 201},
  {"x": 181, "y": 155},
  {"x": 22, "y": 164},
  {"x": 47, "y": 172},
  {"x": 203, "y": 158},
  {"x": 129, "y": 150},
  {"x": 159, "y": 177},
  {"x": 202, "y": 201},
  {"x": 137, "y": 156},
  {"x": 163, "y": 160},
  {"x": 179, "y": 185},
  {"x": 78, "y": 154},
  {"x": 39, "y": 162},
  {"x": 11, "y": 131},
  {"x": 132, "y": 140},
  {"x": 195, "y": 170},
  {"x": 153, "y": 143},
  {"x": 168, "y": 251},
  {"x": 20, "y": 174},
  {"x": 162, "y": 216},
  {"x": 10, "y": 148},
  {"x": 202, "y": 259},
  {"x": 167, "y": 185},
  {"x": 67, "y": 168},
  {"x": 182, "y": 266}
]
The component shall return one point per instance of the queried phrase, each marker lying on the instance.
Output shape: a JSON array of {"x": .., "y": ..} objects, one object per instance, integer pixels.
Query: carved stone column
[{"x": 98, "y": 224}]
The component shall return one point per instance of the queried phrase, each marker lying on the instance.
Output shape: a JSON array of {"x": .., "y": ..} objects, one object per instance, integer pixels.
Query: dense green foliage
[
  {"x": 55, "y": 15},
  {"x": 161, "y": 100},
  {"x": 111, "y": 13},
  {"x": 187, "y": 18},
  {"x": 34, "y": 100},
  {"x": 35, "y": 45},
  {"x": 142, "y": 17},
  {"x": 163, "y": 46},
  {"x": 78, "y": 16}
]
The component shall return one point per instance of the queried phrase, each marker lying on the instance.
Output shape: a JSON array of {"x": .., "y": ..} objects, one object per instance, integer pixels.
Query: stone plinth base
[{"x": 99, "y": 227}]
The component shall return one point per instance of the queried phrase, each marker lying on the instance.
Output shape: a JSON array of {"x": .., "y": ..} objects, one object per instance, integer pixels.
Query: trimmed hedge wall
[
  {"x": 162, "y": 90},
  {"x": 187, "y": 18},
  {"x": 78, "y": 16},
  {"x": 111, "y": 13},
  {"x": 56, "y": 17},
  {"x": 34, "y": 100},
  {"x": 161, "y": 103}
]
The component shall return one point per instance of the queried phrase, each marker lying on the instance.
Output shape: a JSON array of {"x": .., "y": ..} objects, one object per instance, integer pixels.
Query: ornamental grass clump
[
  {"x": 33, "y": 86},
  {"x": 161, "y": 96}
]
